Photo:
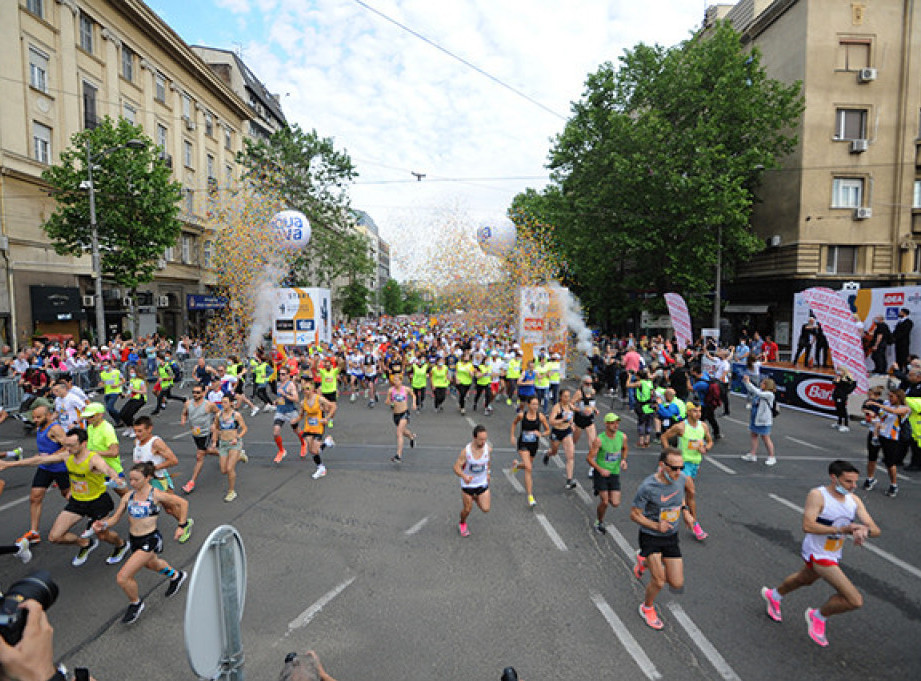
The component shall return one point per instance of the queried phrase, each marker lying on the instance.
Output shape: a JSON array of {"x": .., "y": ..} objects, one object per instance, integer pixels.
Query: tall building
[
  {"x": 846, "y": 205},
  {"x": 365, "y": 225}
]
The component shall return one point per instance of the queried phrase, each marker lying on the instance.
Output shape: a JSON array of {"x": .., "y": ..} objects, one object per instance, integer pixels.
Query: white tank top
[
  {"x": 835, "y": 514},
  {"x": 477, "y": 468},
  {"x": 145, "y": 453}
]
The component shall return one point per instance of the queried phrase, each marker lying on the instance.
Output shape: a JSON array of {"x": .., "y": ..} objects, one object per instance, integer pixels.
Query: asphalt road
[{"x": 366, "y": 565}]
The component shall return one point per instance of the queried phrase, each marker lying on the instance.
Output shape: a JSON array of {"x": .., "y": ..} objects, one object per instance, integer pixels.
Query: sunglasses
[{"x": 674, "y": 468}]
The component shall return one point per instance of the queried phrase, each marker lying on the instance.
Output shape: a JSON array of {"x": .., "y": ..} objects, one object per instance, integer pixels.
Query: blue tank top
[
  {"x": 48, "y": 446},
  {"x": 143, "y": 509}
]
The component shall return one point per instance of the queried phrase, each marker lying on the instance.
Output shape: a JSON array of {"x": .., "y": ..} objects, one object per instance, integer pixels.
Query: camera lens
[{"x": 38, "y": 586}]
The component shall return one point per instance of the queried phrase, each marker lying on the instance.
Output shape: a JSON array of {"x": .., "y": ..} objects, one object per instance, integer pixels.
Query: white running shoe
[
  {"x": 748, "y": 456},
  {"x": 254, "y": 411},
  {"x": 771, "y": 461},
  {"x": 329, "y": 441},
  {"x": 25, "y": 553},
  {"x": 320, "y": 472}
]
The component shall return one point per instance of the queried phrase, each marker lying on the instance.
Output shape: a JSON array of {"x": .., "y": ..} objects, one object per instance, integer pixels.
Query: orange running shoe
[{"x": 281, "y": 455}]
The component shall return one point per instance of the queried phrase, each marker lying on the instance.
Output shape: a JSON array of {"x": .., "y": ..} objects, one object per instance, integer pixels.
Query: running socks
[
  {"x": 317, "y": 460},
  {"x": 168, "y": 572},
  {"x": 278, "y": 442}
]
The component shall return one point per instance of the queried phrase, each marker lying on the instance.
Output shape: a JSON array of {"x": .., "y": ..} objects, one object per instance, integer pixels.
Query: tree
[
  {"x": 392, "y": 298},
  {"x": 655, "y": 173},
  {"x": 137, "y": 203},
  {"x": 355, "y": 298},
  {"x": 412, "y": 301}
]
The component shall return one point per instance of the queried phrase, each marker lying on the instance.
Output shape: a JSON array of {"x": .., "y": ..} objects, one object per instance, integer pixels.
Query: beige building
[
  {"x": 846, "y": 206},
  {"x": 68, "y": 63}
]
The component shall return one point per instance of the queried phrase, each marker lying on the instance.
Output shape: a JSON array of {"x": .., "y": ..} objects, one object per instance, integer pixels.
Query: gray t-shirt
[
  {"x": 660, "y": 501},
  {"x": 199, "y": 419}
]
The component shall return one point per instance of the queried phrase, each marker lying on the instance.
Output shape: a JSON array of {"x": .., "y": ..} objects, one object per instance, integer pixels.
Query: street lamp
[{"x": 94, "y": 232}]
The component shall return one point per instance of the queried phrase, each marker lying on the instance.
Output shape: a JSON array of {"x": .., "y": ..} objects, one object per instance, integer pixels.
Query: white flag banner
[
  {"x": 681, "y": 320},
  {"x": 844, "y": 338}
]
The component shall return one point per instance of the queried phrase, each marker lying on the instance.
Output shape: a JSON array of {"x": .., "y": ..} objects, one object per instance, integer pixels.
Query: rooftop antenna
[{"x": 418, "y": 176}]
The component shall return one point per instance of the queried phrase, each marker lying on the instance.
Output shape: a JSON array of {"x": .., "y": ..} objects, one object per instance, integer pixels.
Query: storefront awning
[{"x": 738, "y": 308}]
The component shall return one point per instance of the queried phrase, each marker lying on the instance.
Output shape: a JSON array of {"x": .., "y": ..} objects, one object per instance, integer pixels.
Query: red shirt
[{"x": 770, "y": 351}]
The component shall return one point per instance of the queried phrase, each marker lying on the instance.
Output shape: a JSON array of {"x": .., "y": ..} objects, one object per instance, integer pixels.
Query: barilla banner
[
  {"x": 797, "y": 389},
  {"x": 844, "y": 337},
  {"x": 681, "y": 320}
]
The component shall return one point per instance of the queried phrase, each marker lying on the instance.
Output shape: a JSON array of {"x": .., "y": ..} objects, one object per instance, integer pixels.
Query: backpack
[
  {"x": 775, "y": 410},
  {"x": 713, "y": 397}
]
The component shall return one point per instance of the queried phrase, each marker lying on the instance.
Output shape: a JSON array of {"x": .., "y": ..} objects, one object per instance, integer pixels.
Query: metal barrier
[{"x": 10, "y": 394}]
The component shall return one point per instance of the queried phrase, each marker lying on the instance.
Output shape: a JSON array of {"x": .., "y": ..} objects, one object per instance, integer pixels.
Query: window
[
  {"x": 169, "y": 254},
  {"x": 228, "y": 138},
  {"x": 129, "y": 113},
  {"x": 853, "y": 54},
  {"x": 187, "y": 153},
  {"x": 189, "y": 201},
  {"x": 916, "y": 203},
  {"x": 86, "y": 33},
  {"x": 207, "y": 252},
  {"x": 186, "y": 106},
  {"x": 37, "y": 7},
  {"x": 41, "y": 142},
  {"x": 847, "y": 192},
  {"x": 210, "y": 167},
  {"x": 209, "y": 124},
  {"x": 160, "y": 84},
  {"x": 38, "y": 69},
  {"x": 89, "y": 105},
  {"x": 228, "y": 174},
  {"x": 841, "y": 260},
  {"x": 162, "y": 136},
  {"x": 186, "y": 245},
  {"x": 127, "y": 63},
  {"x": 851, "y": 124}
]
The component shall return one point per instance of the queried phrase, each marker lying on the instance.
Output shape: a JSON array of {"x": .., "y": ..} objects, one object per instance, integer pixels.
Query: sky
[{"x": 480, "y": 131}]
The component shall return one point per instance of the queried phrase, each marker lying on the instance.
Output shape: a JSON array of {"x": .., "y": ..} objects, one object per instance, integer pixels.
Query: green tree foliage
[
  {"x": 137, "y": 203},
  {"x": 392, "y": 298},
  {"x": 412, "y": 301},
  {"x": 658, "y": 167},
  {"x": 355, "y": 298}
]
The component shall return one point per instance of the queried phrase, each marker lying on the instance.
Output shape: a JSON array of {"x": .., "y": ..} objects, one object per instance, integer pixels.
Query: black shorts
[
  {"x": 43, "y": 479},
  {"x": 872, "y": 449},
  {"x": 315, "y": 436},
  {"x": 202, "y": 442},
  {"x": 529, "y": 447},
  {"x": 667, "y": 546},
  {"x": 329, "y": 397},
  {"x": 97, "y": 509},
  {"x": 605, "y": 484},
  {"x": 560, "y": 435},
  {"x": 399, "y": 417},
  {"x": 582, "y": 421},
  {"x": 151, "y": 543},
  {"x": 894, "y": 451},
  {"x": 475, "y": 491}
]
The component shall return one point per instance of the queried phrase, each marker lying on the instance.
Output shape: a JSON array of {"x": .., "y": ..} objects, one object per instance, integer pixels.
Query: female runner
[
  {"x": 584, "y": 419},
  {"x": 398, "y": 399},
  {"x": 533, "y": 425},
  {"x": 561, "y": 418},
  {"x": 227, "y": 430}
]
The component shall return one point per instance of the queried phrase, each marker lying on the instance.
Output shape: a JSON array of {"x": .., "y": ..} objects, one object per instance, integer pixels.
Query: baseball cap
[
  {"x": 611, "y": 417},
  {"x": 93, "y": 408}
]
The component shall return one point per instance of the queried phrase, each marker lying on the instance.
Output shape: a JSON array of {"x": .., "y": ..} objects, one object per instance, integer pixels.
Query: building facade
[
  {"x": 69, "y": 63},
  {"x": 846, "y": 204}
]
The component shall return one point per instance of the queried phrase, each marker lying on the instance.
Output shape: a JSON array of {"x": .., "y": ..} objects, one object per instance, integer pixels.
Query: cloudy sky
[{"x": 397, "y": 104}]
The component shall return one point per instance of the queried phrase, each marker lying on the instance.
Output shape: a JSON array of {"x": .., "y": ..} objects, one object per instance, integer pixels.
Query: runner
[
  {"x": 465, "y": 371},
  {"x": 656, "y": 509},
  {"x": 472, "y": 467},
  {"x": 694, "y": 441},
  {"x": 894, "y": 435},
  {"x": 316, "y": 411},
  {"x": 67, "y": 405},
  {"x": 103, "y": 441},
  {"x": 262, "y": 372},
  {"x": 143, "y": 505},
  {"x": 828, "y": 516},
  {"x": 353, "y": 362},
  {"x": 483, "y": 379},
  {"x": 110, "y": 382},
  {"x": 285, "y": 412},
  {"x": 136, "y": 392},
  {"x": 871, "y": 416},
  {"x": 227, "y": 431},
  {"x": 607, "y": 456},
  {"x": 329, "y": 371},
  {"x": 526, "y": 387},
  {"x": 584, "y": 420},
  {"x": 199, "y": 414},
  {"x": 542, "y": 380},
  {"x": 419, "y": 372},
  {"x": 370, "y": 377},
  {"x": 398, "y": 397},
  {"x": 643, "y": 406},
  {"x": 21, "y": 549},
  {"x": 440, "y": 383},
  {"x": 533, "y": 425},
  {"x": 88, "y": 496},
  {"x": 561, "y": 417},
  {"x": 512, "y": 374}
]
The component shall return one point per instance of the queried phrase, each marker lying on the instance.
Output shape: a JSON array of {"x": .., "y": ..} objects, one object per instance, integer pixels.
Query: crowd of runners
[{"x": 675, "y": 397}]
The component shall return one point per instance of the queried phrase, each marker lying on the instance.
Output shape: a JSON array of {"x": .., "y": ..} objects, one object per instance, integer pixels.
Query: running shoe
[
  {"x": 85, "y": 552},
  {"x": 329, "y": 441},
  {"x": 640, "y": 566},
  {"x": 24, "y": 553},
  {"x": 396, "y": 458},
  {"x": 176, "y": 583},
  {"x": 844, "y": 429},
  {"x": 651, "y": 617},
  {"x": 279, "y": 456},
  {"x": 748, "y": 456},
  {"x": 773, "y": 605},
  {"x": 515, "y": 466},
  {"x": 508, "y": 401},
  {"x": 892, "y": 491},
  {"x": 488, "y": 411},
  {"x": 412, "y": 441},
  {"x": 14, "y": 454},
  {"x": 319, "y": 473},
  {"x": 189, "y": 487},
  {"x": 770, "y": 461},
  {"x": 835, "y": 426},
  {"x": 243, "y": 457},
  {"x": 132, "y": 435},
  {"x": 31, "y": 537},
  {"x": 816, "y": 627},
  {"x": 88, "y": 532},
  {"x": 591, "y": 472},
  {"x": 869, "y": 484},
  {"x": 600, "y": 527},
  {"x": 254, "y": 411},
  {"x": 874, "y": 441},
  {"x": 463, "y": 411},
  {"x": 531, "y": 501},
  {"x": 126, "y": 432},
  {"x": 351, "y": 398},
  {"x": 464, "y": 532},
  {"x": 230, "y": 496},
  {"x": 269, "y": 407},
  {"x": 570, "y": 484},
  {"x": 187, "y": 531},
  {"x": 118, "y": 553},
  {"x": 133, "y": 612},
  {"x": 699, "y": 532},
  {"x": 546, "y": 458}
]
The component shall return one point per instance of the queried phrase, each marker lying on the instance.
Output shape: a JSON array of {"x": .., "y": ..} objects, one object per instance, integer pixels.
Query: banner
[
  {"x": 797, "y": 389},
  {"x": 301, "y": 317},
  {"x": 681, "y": 320},
  {"x": 540, "y": 323},
  {"x": 844, "y": 338}
]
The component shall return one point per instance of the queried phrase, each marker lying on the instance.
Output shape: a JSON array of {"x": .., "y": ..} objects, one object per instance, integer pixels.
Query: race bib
[
  {"x": 196, "y": 431},
  {"x": 834, "y": 543},
  {"x": 80, "y": 486},
  {"x": 612, "y": 457},
  {"x": 529, "y": 436},
  {"x": 670, "y": 515},
  {"x": 313, "y": 421},
  {"x": 477, "y": 468},
  {"x": 695, "y": 445}
]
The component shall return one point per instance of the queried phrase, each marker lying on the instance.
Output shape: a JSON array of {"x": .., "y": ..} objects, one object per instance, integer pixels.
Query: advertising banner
[
  {"x": 844, "y": 338},
  {"x": 681, "y": 320},
  {"x": 800, "y": 390},
  {"x": 301, "y": 317},
  {"x": 540, "y": 322}
]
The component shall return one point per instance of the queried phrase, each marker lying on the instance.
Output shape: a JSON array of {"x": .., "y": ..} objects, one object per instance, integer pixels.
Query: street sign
[{"x": 214, "y": 607}]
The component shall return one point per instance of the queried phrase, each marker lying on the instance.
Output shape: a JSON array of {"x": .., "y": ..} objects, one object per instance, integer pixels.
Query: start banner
[
  {"x": 681, "y": 320},
  {"x": 844, "y": 337}
]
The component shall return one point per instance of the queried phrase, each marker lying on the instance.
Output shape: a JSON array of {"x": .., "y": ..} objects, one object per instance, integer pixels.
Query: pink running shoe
[
  {"x": 464, "y": 532},
  {"x": 816, "y": 627},
  {"x": 699, "y": 532},
  {"x": 773, "y": 605},
  {"x": 640, "y": 567}
]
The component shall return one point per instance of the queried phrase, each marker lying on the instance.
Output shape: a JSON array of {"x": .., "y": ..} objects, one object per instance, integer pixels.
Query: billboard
[
  {"x": 540, "y": 322},
  {"x": 301, "y": 316}
]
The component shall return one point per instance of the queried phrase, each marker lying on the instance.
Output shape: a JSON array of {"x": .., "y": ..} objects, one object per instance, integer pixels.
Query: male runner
[
  {"x": 829, "y": 516},
  {"x": 49, "y": 439},
  {"x": 607, "y": 455},
  {"x": 103, "y": 441},
  {"x": 472, "y": 467},
  {"x": 693, "y": 441},
  {"x": 199, "y": 414}
]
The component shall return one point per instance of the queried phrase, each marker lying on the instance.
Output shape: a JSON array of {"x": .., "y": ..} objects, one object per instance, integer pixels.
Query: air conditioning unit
[
  {"x": 859, "y": 146},
  {"x": 167, "y": 159},
  {"x": 162, "y": 301},
  {"x": 126, "y": 302},
  {"x": 866, "y": 75},
  {"x": 863, "y": 213},
  {"x": 89, "y": 301},
  {"x": 775, "y": 241},
  {"x": 189, "y": 123}
]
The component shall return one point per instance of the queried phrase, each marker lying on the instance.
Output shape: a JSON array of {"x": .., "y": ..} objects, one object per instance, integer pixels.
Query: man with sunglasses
[
  {"x": 199, "y": 414},
  {"x": 657, "y": 508}
]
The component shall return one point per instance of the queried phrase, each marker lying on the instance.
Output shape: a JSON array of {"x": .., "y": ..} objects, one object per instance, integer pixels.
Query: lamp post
[
  {"x": 717, "y": 288},
  {"x": 94, "y": 231}
]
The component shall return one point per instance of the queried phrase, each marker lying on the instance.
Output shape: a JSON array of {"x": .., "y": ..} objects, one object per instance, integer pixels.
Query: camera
[{"x": 38, "y": 586}]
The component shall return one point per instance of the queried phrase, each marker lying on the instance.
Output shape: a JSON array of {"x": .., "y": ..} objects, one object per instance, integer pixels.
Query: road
[{"x": 366, "y": 565}]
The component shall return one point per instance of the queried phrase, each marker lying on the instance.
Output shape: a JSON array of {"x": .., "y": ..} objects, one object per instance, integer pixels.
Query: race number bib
[
  {"x": 196, "y": 431},
  {"x": 670, "y": 515},
  {"x": 834, "y": 543},
  {"x": 79, "y": 486},
  {"x": 529, "y": 436},
  {"x": 313, "y": 421}
]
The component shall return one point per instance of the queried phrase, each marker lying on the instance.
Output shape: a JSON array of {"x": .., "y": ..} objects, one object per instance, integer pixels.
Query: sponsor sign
[
  {"x": 541, "y": 325},
  {"x": 301, "y": 316},
  {"x": 198, "y": 301},
  {"x": 799, "y": 390},
  {"x": 681, "y": 320}
]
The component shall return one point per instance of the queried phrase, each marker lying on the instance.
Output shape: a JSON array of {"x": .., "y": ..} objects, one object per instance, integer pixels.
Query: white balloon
[
  {"x": 293, "y": 229},
  {"x": 498, "y": 238}
]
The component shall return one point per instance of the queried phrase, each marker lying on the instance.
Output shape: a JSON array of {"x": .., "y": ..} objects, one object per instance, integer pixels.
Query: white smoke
[
  {"x": 575, "y": 321},
  {"x": 264, "y": 305}
]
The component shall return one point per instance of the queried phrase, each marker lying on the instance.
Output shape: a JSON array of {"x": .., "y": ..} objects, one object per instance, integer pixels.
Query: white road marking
[
  {"x": 181, "y": 435},
  {"x": 697, "y": 638},
  {"x": 721, "y": 466},
  {"x": 552, "y": 533},
  {"x": 902, "y": 477},
  {"x": 418, "y": 526},
  {"x": 10, "y": 504},
  {"x": 558, "y": 460},
  {"x": 622, "y": 542},
  {"x": 305, "y": 617},
  {"x": 626, "y": 638},
  {"x": 805, "y": 444},
  {"x": 741, "y": 423},
  {"x": 471, "y": 422},
  {"x": 909, "y": 568},
  {"x": 513, "y": 481},
  {"x": 583, "y": 495}
]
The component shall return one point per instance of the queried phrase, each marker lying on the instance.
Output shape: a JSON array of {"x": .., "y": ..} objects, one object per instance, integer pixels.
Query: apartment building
[
  {"x": 68, "y": 63},
  {"x": 846, "y": 205}
]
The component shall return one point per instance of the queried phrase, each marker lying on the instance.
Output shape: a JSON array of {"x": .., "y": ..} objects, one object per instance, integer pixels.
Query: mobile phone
[{"x": 81, "y": 674}]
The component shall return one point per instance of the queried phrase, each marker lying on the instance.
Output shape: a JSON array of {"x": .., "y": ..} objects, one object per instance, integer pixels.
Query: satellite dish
[
  {"x": 214, "y": 606},
  {"x": 497, "y": 238}
]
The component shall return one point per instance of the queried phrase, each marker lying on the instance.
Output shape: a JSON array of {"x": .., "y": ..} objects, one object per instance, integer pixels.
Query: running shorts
[
  {"x": 95, "y": 509},
  {"x": 150, "y": 543},
  {"x": 667, "y": 546},
  {"x": 601, "y": 483},
  {"x": 43, "y": 479}
]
